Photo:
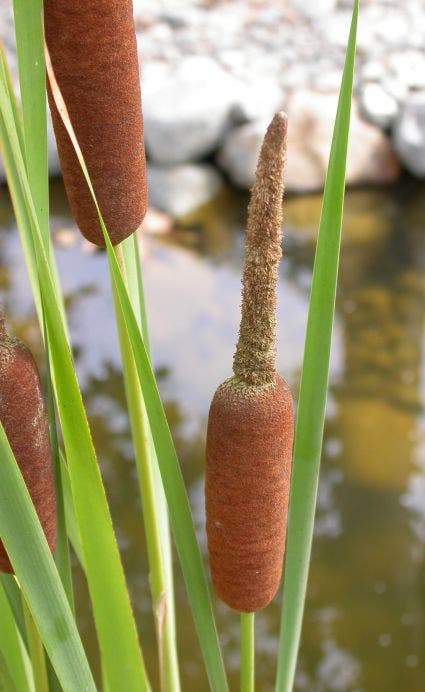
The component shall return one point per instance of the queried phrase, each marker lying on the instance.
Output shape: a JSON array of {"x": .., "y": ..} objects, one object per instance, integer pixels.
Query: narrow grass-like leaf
[
  {"x": 36, "y": 651},
  {"x": 247, "y": 649},
  {"x": 180, "y": 513},
  {"x": 28, "y": 20},
  {"x": 29, "y": 553},
  {"x": 111, "y": 606},
  {"x": 71, "y": 522},
  {"x": 13, "y": 595},
  {"x": 134, "y": 282},
  {"x": 62, "y": 557},
  {"x": 6, "y": 681},
  {"x": 174, "y": 488},
  {"x": 18, "y": 204},
  {"x": 130, "y": 251},
  {"x": 32, "y": 82},
  {"x": 7, "y": 81},
  {"x": 154, "y": 505},
  {"x": 314, "y": 380},
  {"x": 11, "y": 645}
]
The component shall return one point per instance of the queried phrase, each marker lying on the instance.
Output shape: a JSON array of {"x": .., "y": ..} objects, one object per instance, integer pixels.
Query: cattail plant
[
  {"x": 24, "y": 418},
  {"x": 250, "y": 426},
  {"x": 92, "y": 45}
]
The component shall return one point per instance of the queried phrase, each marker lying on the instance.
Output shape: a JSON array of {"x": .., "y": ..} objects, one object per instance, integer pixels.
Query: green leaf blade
[
  {"x": 29, "y": 553},
  {"x": 11, "y": 644},
  {"x": 32, "y": 82},
  {"x": 175, "y": 492},
  {"x": 314, "y": 380},
  {"x": 122, "y": 655},
  {"x": 172, "y": 480}
]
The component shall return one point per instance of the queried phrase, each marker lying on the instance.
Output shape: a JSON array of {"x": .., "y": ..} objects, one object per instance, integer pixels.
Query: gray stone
[
  {"x": 178, "y": 190},
  {"x": 311, "y": 117},
  {"x": 187, "y": 110},
  {"x": 394, "y": 27},
  {"x": 256, "y": 100},
  {"x": 239, "y": 152},
  {"x": 394, "y": 87},
  {"x": 372, "y": 70},
  {"x": 409, "y": 134},
  {"x": 208, "y": 67},
  {"x": 314, "y": 8},
  {"x": 408, "y": 67},
  {"x": 378, "y": 106},
  {"x": 335, "y": 28}
]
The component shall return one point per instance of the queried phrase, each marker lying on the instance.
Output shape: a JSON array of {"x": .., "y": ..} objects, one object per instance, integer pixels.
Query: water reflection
[{"x": 364, "y": 624}]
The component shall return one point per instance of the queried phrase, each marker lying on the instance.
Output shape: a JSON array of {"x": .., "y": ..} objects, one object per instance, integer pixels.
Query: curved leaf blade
[{"x": 29, "y": 553}]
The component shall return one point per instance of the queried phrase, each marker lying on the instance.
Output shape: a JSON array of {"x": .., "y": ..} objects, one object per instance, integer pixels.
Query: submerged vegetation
[{"x": 48, "y": 638}]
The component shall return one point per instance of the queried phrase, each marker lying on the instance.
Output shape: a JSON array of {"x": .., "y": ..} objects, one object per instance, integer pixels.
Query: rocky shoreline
[{"x": 213, "y": 72}]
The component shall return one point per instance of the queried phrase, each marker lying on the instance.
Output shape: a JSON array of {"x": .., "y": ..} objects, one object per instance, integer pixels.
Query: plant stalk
[
  {"x": 247, "y": 661},
  {"x": 159, "y": 565},
  {"x": 36, "y": 651}
]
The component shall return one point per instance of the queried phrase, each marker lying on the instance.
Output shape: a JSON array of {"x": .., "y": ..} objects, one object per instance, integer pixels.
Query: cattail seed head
[
  {"x": 92, "y": 46},
  {"x": 23, "y": 416},
  {"x": 249, "y": 444},
  {"x": 255, "y": 358},
  {"x": 250, "y": 424}
]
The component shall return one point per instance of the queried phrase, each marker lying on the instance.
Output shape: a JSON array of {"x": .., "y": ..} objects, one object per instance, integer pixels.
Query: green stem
[
  {"x": 62, "y": 556},
  {"x": 153, "y": 506},
  {"x": 36, "y": 651},
  {"x": 247, "y": 663}
]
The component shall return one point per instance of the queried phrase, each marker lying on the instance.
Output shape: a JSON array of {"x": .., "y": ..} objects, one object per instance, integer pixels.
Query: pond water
[{"x": 364, "y": 627}]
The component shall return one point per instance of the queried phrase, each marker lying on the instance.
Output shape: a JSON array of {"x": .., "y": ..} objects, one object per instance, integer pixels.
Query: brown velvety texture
[
  {"x": 92, "y": 45},
  {"x": 24, "y": 418},
  {"x": 249, "y": 452},
  {"x": 255, "y": 356}
]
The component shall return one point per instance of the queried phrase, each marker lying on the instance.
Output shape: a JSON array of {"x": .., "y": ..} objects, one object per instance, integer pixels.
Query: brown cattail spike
[
  {"x": 92, "y": 45},
  {"x": 23, "y": 415},
  {"x": 250, "y": 425},
  {"x": 255, "y": 357}
]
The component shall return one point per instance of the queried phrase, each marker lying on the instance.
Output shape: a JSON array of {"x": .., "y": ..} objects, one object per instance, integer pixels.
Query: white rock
[
  {"x": 394, "y": 87},
  {"x": 156, "y": 222},
  {"x": 394, "y": 27},
  {"x": 378, "y": 106},
  {"x": 311, "y": 118},
  {"x": 178, "y": 190},
  {"x": 372, "y": 70},
  {"x": 239, "y": 152},
  {"x": 314, "y": 8},
  {"x": 408, "y": 67},
  {"x": 186, "y": 111},
  {"x": 256, "y": 100},
  {"x": 409, "y": 134},
  {"x": 335, "y": 28}
]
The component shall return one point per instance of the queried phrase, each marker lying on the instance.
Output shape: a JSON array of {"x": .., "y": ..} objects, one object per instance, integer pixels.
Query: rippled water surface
[{"x": 364, "y": 628}]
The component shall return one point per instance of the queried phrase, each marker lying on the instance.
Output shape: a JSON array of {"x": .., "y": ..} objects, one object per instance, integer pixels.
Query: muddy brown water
[{"x": 364, "y": 627}]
